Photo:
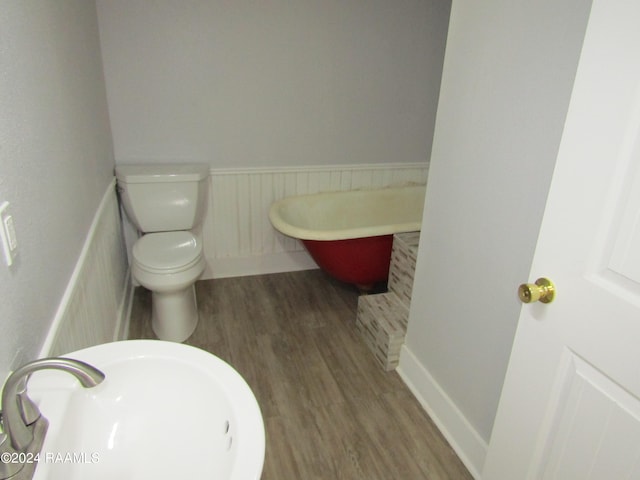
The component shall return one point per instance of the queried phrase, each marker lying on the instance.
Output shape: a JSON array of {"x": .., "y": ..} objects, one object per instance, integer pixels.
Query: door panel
[
  {"x": 588, "y": 418},
  {"x": 570, "y": 406}
]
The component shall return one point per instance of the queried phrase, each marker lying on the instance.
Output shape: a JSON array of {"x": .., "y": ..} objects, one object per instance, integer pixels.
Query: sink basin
[{"x": 164, "y": 411}]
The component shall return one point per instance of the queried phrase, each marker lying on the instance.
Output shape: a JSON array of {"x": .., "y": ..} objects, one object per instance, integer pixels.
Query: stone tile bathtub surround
[
  {"x": 382, "y": 319},
  {"x": 403, "y": 265},
  {"x": 382, "y": 322}
]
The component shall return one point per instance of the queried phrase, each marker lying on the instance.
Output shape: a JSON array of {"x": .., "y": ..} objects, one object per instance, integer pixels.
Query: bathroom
[{"x": 286, "y": 95}]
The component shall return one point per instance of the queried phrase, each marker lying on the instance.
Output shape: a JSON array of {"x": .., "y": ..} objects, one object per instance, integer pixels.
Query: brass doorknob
[{"x": 543, "y": 290}]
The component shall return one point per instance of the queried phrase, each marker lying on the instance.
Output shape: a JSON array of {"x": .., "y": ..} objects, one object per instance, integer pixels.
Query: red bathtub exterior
[{"x": 362, "y": 261}]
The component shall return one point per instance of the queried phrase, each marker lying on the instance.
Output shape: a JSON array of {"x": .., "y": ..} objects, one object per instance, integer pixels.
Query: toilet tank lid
[{"x": 162, "y": 173}]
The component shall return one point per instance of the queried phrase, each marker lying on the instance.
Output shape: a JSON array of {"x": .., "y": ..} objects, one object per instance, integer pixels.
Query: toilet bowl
[
  {"x": 168, "y": 264},
  {"x": 165, "y": 203}
]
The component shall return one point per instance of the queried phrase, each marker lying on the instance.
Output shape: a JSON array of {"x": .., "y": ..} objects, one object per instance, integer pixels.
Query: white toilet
[{"x": 166, "y": 202}]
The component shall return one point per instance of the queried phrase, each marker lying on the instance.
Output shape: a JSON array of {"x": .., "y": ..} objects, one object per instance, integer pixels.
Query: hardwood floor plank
[
  {"x": 350, "y": 449},
  {"x": 422, "y": 439},
  {"x": 330, "y": 411},
  {"x": 280, "y": 460}
]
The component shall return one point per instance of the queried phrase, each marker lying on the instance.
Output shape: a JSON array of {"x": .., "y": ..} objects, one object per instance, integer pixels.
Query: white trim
[
  {"x": 317, "y": 168},
  {"x": 460, "y": 434}
]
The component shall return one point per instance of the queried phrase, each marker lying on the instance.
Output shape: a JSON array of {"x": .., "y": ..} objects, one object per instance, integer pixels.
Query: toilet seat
[{"x": 167, "y": 252}]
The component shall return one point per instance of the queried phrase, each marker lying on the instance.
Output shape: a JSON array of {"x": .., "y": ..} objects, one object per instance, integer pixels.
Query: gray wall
[
  {"x": 56, "y": 158},
  {"x": 272, "y": 83},
  {"x": 508, "y": 73}
]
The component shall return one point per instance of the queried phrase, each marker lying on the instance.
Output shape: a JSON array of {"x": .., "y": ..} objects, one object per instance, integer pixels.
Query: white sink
[{"x": 164, "y": 411}]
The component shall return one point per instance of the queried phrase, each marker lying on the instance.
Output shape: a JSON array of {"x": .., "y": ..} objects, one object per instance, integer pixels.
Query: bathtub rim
[{"x": 341, "y": 234}]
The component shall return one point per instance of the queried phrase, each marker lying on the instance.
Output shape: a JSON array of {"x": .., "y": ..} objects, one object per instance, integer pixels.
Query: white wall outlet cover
[{"x": 7, "y": 234}]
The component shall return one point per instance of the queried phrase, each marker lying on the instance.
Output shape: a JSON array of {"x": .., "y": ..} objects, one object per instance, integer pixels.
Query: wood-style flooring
[{"x": 330, "y": 411}]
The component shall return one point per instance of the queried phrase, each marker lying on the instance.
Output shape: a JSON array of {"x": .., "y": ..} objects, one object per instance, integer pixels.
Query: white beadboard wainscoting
[
  {"x": 237, "y": 235},
  {"x": 96, "y": 303}
]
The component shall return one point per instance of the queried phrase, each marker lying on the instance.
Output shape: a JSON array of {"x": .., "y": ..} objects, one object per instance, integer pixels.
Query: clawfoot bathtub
[{"x": 349, "y": 234}]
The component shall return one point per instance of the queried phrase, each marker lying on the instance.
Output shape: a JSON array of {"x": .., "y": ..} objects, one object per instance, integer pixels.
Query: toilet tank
[{"x": 160, "y": 198}]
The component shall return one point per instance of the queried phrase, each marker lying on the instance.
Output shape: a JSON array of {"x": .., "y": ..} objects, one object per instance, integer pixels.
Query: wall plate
[{"x": 7, "y": 234}]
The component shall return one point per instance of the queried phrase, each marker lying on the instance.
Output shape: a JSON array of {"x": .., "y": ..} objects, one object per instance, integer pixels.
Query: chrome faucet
[{"x": 21, "y": 417}]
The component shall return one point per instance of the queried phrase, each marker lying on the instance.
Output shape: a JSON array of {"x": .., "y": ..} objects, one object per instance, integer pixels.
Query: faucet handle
[{"x": 29, "y": 411}]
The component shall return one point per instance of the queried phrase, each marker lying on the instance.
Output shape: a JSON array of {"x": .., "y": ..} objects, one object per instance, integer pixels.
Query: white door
[{"x": 570, "y": 407}]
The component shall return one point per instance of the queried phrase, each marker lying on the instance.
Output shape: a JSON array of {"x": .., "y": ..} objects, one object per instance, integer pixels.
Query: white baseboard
[
  {"x": 258, "y": 265},
  {"x": 460, "y": 434}
]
